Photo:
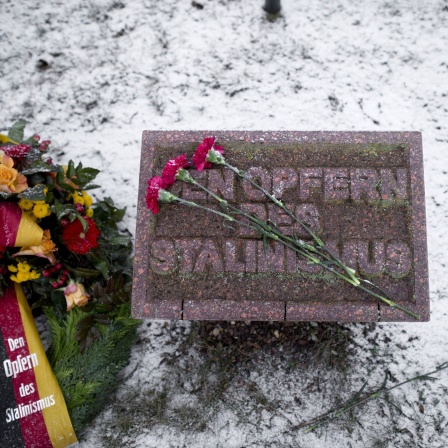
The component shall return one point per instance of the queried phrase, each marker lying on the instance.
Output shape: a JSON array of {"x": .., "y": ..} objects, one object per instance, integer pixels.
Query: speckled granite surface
[{"x": 362, "y": 192}]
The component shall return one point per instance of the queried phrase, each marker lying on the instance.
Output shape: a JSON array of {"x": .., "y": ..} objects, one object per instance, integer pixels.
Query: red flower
[
  {"x": 16, "y": 151},
  {"x": 200, "y": 156},
  {"x": 155, "y": 184},
  {"x": 79, "y": 241},
  {"x": 171, "y": 169}
]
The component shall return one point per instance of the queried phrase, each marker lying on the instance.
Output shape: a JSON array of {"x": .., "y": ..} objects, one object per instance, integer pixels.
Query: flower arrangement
[
  {"x": 314, "y": 252},
  {"x": 73, "y": 262}
]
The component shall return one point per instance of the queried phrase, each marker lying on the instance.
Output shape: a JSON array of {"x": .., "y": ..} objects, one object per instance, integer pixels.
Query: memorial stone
[{"x": 361, "y": 192}]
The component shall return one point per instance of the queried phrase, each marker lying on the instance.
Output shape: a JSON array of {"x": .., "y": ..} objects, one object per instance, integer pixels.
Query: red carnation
[
  {"x": 200, "y": 156},
  {"x": 171, "y": 168},
  {"x": 78, "y": 240},
  {"x": 16, "y": 151},
  {"x": 155, "y": 184}
]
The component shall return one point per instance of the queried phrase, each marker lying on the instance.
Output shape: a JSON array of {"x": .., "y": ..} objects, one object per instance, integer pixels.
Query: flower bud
[
  {"x": 215, "y": 157},
  {"x": 184, "y": 176},
  {"x": 166, "y": 196}
]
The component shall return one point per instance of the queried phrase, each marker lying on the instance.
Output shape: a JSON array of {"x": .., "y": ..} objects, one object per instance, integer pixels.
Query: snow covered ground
[{"x": 91, "y": 75}]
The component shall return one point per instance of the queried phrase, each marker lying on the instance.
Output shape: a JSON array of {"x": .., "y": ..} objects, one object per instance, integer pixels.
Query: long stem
[
  {"x": 280, "y": 204},
  {"x": 354, "y": 280},
  {"x": 312, "y": 258},
  {"x": 193, "y": 204},
  {"x": 274, "y": 234}
]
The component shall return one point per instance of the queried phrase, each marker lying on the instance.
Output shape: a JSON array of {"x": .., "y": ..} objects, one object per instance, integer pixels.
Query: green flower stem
[
  {"x": 261, "y": 229},
  {"x": 302, "y": 249},
  {"x": 354, "y": 280},
  {"x": 193, "y": 204},
  {"x": 280, "y": 204},
  {"x": 260, "y": 226}
]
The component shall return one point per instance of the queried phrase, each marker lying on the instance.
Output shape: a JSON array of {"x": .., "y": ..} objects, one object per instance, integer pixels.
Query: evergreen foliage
[{"x": 87, "y": 378}]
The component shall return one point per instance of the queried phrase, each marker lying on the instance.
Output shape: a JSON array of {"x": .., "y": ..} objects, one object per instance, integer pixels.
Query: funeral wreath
[{"x": 67, "y": 253}]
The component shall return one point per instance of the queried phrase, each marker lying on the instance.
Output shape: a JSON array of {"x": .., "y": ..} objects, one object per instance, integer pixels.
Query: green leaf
[
  {"x": 61, "y": 210},
  {"x": 86, "y": 175},
  {"x": 84, "y": 272},
  {"x": 99, "y": 263},
  {"x": 36, "y": 179},
  {"x": 17, "y": 130},
  {"x": 91, "y": 187},
  {"x": 120, "y": 240},
  {"x": 118, "y": 214},
  {"x": 83, "y": 223},
  {"x": 58, "y": 299},
  {"x": 38, "y": 167},
  {"x": 4, "y": 195},
  {"x": 70, "y": 169},
  {"x": 102, "y": 266},
  {"x": 33, "y": 155},
  {"x": 34, "y": 194},
  {"x": 103, "y": 319}
]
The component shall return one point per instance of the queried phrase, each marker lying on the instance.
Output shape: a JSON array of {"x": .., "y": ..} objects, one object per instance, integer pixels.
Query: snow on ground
[{"x": 93, "y": 74}]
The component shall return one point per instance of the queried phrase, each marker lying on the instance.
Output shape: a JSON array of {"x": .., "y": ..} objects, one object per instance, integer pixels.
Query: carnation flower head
[
  {"x": 156, "y": 193},
  {"x": 171, "y": 169},
  {"x": 16, "y": 151},
  {"x": 152, "y": 194},
  {"x": 78, "y": 240},
  {"x": 200, "y": 156}
]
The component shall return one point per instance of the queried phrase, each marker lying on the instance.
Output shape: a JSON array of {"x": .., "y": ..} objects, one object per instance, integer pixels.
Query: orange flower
[
  {"x": 10, "y": 180},
  {"x": 75, "y": 294},
  {"x": 46, "y": 249}
]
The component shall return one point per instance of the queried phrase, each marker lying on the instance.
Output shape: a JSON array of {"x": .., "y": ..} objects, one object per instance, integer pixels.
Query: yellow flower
[
  {"x": 41, "y": 210},
  {"x": 89, "y": 213},
  {"x": 46, "y": 248},
  {"x": 26, "y": 204},
  {"x": 12, "y": 268},
  {"x": 23, "y": 266},
  {"x": 77, "y": 198},
  {"x": 88, "y": 201},
  {"x": 23, "y": 276},
  {"x": 75, "y": 294},
  {"x": 10, "y": 180},
  {"x": 34, "y": 275}
]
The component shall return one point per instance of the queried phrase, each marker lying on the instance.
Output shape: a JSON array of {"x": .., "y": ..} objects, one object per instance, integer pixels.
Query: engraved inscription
[
  {"x": 310, "y": 188},
  {"x": 330, "y": 184},
  {"x": 371, "y": 258}
]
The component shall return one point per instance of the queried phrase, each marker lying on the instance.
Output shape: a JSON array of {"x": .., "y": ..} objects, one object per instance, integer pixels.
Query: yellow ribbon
[
  {"x": 29, "y": 233},
  {"x": 6, "y": 139}
]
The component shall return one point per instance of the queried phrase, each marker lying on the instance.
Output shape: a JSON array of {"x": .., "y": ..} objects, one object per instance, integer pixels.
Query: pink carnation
[
  {"x": 155, "y": 184},
  {"x": 200, "y": 156},
  {"x": 16, "y": 151},
  {"x": 171, "y": 169}
]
